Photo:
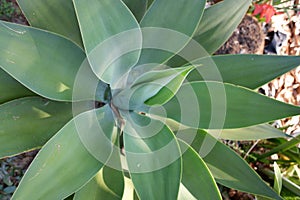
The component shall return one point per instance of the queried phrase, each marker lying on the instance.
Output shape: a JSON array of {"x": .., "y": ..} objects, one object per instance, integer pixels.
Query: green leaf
[
  {"x": 169, "y": 90},
  {"x": 52, "y": 15},
  {"x": 29, "y": 123},
  {"x": 98, "y": 189},
  {"x": 153, "y": 87},
  {"x": 228, "y": 168},
  {"x": 137, "y": 7},
  {"x": 150, "y": 2},
  {"x": 171, "y": 26},
  {"x": 257, "y": 132},
  {"x": 251, "y": 71},
  {"x": 64, "y": 164},
  {"x": 155, "y": 171},
  {"x": 184, "y": 194},
  {"x": 128, "y": 189},
  {"x": 277, "y": 178},
  {"x": 282, "y": 147},
  {"x": 95, "y": 189},
  {"x": 227, "y": 15},
  {"x": 109, "y": 25},
  {"x": 214, "y": 105},
  {"x": 11, "y": 89},
  {"x": 44, "y": 62},
  {"x": 196, "y": 177},
  {"x": 108, "y": 182}
]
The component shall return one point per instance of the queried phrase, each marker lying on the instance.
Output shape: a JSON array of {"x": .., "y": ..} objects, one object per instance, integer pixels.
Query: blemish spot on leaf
[
  {"x": 58, "y": 146},
  {"x": 16, "y": 117}
]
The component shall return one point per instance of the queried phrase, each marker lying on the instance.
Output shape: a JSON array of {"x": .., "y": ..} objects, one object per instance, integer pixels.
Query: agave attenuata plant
[{"x": 125, "y": 101}]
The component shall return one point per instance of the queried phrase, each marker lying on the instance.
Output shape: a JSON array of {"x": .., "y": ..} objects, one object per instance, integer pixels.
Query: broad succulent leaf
[
  {"x": 149, "y": 159},
  {"x": 169, "y": 90},
  {"x": 11, "y": 89},
  {"x": 102, "y": 53},
  {"x": 257, "y": 132},
  {"x": 44, "y": 62},
  {"x": 29, "y": 123},
  {"x": 196, "y": 176},
  {"x": 251, "y": 71},
  {"x": 64, "y": 162},
  {"x": 53, "y": 15},
  {"x": 166, "y": 35},
  {"x": 153, "y": 87},
  {"x": 215, "y": 105},
  {"x": 228, "y": 168},
  {"x": 107, "y": 184},
  {"x": 111, "y": 37},
  {"x": 137, "y": 7},
  {"x": 211, "y": 34},
  {"x": 96, "y": 188}
]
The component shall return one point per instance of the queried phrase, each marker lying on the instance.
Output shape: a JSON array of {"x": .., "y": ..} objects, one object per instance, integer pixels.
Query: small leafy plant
[
  {"x": 125, "y": 100},
  {"x": 6, "y": 9}
]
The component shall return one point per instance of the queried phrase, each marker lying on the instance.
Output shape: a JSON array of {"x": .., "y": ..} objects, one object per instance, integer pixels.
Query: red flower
[{"x": 265, "y": 10}]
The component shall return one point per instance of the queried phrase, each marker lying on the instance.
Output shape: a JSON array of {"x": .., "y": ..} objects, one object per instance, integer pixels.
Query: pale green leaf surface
[
  {"x": 169, "y": 90},
  {"x": 111, "y": 37},
  {"x": 30, "y": 122},
  {"x": 108, "y": 182},
  {"x": 214, "y": 105},
  {"x": 196, "y": 176},
  {"x": 11, "y": 89},
  {"x": 113, "y": 171},
  {"x": 44, "y": 62},
  {"x": 277, "y": 178},
  {"x": 174, "y": 19},
  {"x": 64, "y": 163},
  {"x": 97, "y": 188},
  {"x": 257, "y": 132},
  {"x": 251, "y": 71},
  {"x": 128, "y": 189},
  {"x": 137, "y": 7},
  {"x": 52, "y": 15},
  {"x": 184, "y": 194},
  {"x": 227, "y": 167},
  {"x": 213, "y": 32},
  {"x": 153, "y": 158},
  {"x": 153, "y": 87},
  {"x": 96, "y": 131}
]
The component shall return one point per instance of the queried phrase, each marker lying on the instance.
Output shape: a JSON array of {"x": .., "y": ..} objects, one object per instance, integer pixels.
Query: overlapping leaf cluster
[{"x": 39, "y": 66}]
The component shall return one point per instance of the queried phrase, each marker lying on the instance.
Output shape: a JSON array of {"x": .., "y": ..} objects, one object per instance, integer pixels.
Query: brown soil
[{"x": 248, "y": 38}]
